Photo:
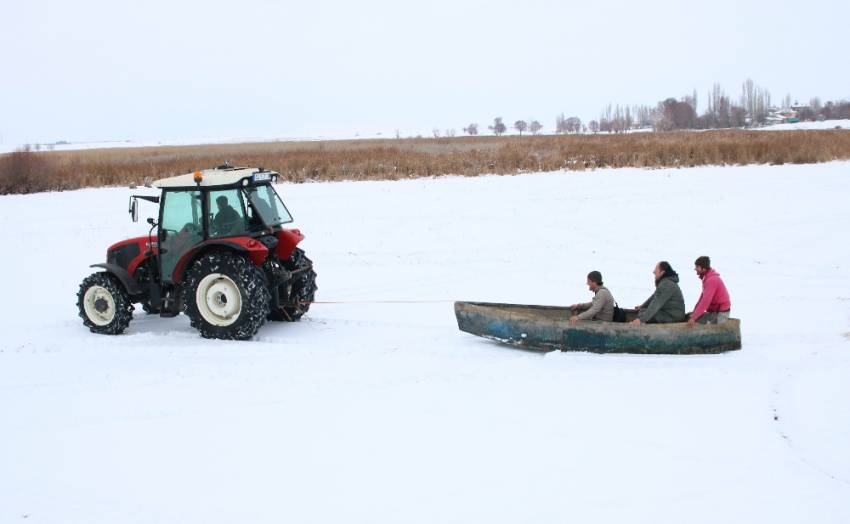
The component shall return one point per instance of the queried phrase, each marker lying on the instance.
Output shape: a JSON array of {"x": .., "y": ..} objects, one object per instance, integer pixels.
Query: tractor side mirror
[{"x": 134, "y": 209}]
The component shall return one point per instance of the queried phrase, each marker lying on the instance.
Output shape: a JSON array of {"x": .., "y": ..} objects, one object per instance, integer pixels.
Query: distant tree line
[{"x": 754, "y": 107}]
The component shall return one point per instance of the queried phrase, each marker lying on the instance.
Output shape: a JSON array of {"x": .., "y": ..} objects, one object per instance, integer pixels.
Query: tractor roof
[{"x": 219, "y": 176}]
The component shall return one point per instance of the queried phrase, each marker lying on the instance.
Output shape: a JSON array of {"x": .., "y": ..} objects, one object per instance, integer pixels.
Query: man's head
[
  {"x": 662, "y": 268},
  {"x": 702, "y": 265},
  {"x": 594, "y": 280},
  {"x": 221, "y": 202}
]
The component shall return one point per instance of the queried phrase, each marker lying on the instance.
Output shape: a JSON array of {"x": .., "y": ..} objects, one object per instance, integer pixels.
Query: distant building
[
  {"x": 780, "y": 116},
  {"x": 804, "y": 112}
]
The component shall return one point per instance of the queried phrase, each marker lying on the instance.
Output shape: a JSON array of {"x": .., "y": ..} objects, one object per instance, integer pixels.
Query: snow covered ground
[
  {"x": 825, "y": 124},
  {"x": 386, "y": 413}
]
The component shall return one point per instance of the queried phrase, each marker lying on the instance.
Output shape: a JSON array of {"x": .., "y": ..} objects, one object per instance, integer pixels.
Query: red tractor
[{"x": 220, "y": 255}]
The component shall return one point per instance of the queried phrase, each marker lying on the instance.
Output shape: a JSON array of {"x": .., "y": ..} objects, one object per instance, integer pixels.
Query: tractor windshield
[{"x": 267, "y": 205}]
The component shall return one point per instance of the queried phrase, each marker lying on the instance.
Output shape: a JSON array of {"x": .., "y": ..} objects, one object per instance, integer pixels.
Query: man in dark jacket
[
  {"x": 667, "y": 303},
  {"x": 226, "y": 218}
]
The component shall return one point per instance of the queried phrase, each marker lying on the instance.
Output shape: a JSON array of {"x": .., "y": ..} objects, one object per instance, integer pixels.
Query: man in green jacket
[{"x": 667, "y": 303}]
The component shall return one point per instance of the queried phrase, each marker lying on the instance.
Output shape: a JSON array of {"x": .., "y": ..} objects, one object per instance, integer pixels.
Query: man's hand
[
  {"x": 574, "y": 320},
  {"x": 691, "y": 322},
  {"x": 635, "y": 322},
  {"x": 637, "y": 309}
]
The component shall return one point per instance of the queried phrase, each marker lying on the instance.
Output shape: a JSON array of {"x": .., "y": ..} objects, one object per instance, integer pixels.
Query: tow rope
[{"x": 377, "y": 301}]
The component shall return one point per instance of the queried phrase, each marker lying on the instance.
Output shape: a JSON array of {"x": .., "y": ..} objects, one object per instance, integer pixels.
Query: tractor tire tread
[
  {"x": 123, "y": 304},
  {"x": 252, "y": 285}
]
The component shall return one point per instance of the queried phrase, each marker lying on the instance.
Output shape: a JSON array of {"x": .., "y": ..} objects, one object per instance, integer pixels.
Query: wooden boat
[{"x": 548, "y": 328}]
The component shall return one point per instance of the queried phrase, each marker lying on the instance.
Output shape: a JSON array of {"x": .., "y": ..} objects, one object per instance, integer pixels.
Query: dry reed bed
[{"x": 26, "y": 172}]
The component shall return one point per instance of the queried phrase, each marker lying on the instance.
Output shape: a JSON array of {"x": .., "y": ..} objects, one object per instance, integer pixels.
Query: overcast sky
[{"x": 170, "y": 70}]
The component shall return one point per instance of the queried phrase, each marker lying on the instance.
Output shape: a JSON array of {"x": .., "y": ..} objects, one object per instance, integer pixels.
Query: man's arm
[
  {"x": 705, "y": 299},
  {"x": 595, "y": 307}
]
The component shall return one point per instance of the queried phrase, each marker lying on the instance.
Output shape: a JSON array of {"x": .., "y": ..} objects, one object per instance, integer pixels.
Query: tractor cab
[
  {"x": 214, "y": 205},
  {"x": 218, "y": 236}
]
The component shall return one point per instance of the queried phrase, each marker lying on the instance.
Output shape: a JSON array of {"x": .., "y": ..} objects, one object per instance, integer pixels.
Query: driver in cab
[{"x": 226, "y": 218}]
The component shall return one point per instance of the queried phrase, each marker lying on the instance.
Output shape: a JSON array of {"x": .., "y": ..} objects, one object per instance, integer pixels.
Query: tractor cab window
[
  {"x": 181, "y": 227},
  {"x": 227, "y": 213},
  {"x": 266, "y": 206}
]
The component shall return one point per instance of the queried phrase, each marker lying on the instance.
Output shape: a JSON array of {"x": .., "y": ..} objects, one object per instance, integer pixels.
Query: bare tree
[
  {"x": 676, "y": 114},
  {"x": 804, "y": 113},
  {"x": 605, "y": 119},
  {"x": 567, "y": 125},
  {"x": 756, "y": 101},
  {"x": 786, "y": 102},
  {"x": 573, "y": 124},
  {"x": 535, "y": 127},
  {"x": 471, "y": 129},
  {"x": 839, "y": 110},
  {"x": 645, "y": 115},
  {"x": 748, "y": 99},
  {"x": 717, "y": 114},
  {"x": 617, "y": 120},
  {"x": 449, "y": 133},
  {"x": 520, "y": 125},
  {"x": 737, "y": 116},
  {"x": 436, "y": 132},
  {"x": 593, "y": 125},
  {"x": 560, "y": 124},
  {"x": 498, "y": 126}
]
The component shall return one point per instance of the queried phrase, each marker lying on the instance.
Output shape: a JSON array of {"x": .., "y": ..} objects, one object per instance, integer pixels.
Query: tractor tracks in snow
[{"x": 782, "y": 427}]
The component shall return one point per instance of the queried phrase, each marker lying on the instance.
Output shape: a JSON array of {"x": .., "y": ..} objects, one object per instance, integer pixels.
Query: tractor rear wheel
[
  {"x": 226, "y": 296},
  {"x": 104, "y": 304},
  {"x": 302, "y": 288}
]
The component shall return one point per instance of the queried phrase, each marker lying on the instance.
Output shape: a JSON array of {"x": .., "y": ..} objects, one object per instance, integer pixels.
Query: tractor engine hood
[{"x": 127, "y": 254}]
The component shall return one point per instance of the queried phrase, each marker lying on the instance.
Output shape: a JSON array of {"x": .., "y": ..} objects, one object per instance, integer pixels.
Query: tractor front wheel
[
  {"x": 104, "y": 304},
  {"x": 226, "y": 296}
]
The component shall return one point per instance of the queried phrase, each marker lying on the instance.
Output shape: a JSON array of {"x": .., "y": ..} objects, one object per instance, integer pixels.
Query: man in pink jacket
[{"x": 714, "y": 304}]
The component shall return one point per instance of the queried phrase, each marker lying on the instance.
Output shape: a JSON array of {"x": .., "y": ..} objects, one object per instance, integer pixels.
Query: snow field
[{"x": 369, "y": 412}]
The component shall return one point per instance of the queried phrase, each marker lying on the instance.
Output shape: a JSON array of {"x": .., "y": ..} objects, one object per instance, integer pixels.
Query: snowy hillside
[{"x": 386, "y": 413}]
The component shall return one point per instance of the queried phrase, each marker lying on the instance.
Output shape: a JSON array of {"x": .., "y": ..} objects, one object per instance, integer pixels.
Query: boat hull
[{"x": 547, "y": 328}]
